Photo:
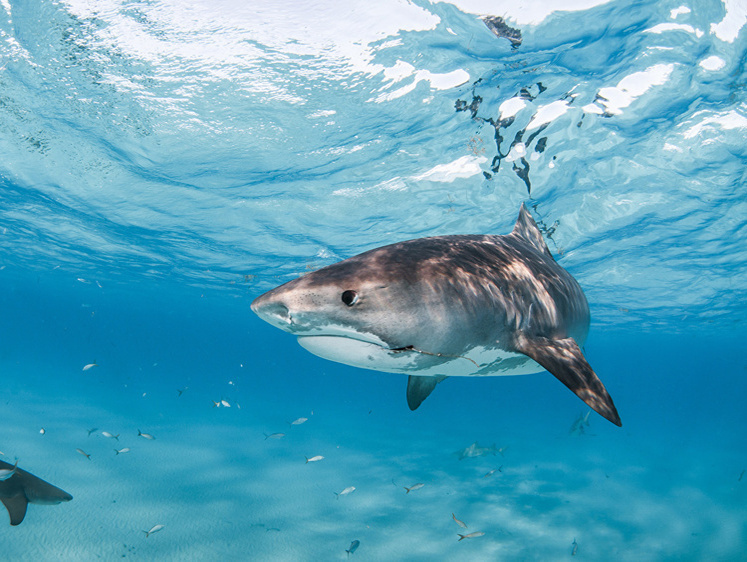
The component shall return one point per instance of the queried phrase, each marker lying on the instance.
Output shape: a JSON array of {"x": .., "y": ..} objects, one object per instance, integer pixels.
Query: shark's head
[{"x": 376, "y": 311}]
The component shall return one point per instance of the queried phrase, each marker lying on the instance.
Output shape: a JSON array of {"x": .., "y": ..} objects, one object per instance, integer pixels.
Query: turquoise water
[{"x": 164, "y": 163}]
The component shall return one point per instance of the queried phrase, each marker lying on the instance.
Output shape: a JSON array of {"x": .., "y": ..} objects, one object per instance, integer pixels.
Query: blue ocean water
[{"x": 164, "y": 163}]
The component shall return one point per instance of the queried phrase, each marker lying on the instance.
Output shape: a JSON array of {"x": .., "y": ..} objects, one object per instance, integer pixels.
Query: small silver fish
[
  {"x": 120, "y": 451},
  {"x": 6, "y": 473},
  {"x": 90, "y": 366},
  {"x": 574, "y": 550},
  {"x": 299, "y": 421},
  {"x": 493, "y": 471},
  {"x": 413, "y": 487},
  {"x": 42, "y": 431},
  {"x": 345, "y": 492},
  {"x": 82, "y": 452},
  {"x": 110, "y": 436},
  {"x": 225, "y": 403},
  {"x": 470, "y": 536},
  {"x": 181, "y": 390},
  {"x": 274, "y": 436},
  {"x": 462, "y": 524},
  {"x": 314, "y": 459},
  {"x": 153, "y": 529},
  {"x": 145, "y": 435},
  {"x": 92, "y": 430},
  {"x": 353, "y": 547}
]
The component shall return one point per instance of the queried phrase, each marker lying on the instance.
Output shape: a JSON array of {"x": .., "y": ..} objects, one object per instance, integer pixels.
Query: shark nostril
[{"x": 272, "y": 310}]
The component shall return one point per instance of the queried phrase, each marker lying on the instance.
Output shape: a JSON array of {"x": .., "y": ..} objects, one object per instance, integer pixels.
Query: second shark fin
[
  {"x": 16, "y": 507},
  {"x": 564, "y": 359},
  {"x": 419, "y": 388}
]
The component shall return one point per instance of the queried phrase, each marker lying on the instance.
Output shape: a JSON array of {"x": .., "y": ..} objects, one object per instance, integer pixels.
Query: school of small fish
[{"x": 472, "y": 451}]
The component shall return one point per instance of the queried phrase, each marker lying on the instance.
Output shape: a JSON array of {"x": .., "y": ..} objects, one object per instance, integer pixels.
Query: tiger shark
[
  {"x": 445, "y": 306},
  {"x": 22, "y": 488}
]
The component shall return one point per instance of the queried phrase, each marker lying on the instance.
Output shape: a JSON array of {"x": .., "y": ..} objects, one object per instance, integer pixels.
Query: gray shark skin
[
  {"x": 23, "y": 488},
  {"x": 462, "y": 305}
]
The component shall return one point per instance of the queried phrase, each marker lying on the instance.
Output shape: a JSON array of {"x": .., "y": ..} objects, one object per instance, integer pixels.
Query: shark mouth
[
  {"x": 413, "y": 348},
  {"x": 352, "y": 351},
  {"x": 375, "y": 356}
]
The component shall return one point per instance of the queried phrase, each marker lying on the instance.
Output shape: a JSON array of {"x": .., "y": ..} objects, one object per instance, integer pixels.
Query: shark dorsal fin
[
  {"x": 16, "y": 507},
  {"x": 526, "y": 229}
]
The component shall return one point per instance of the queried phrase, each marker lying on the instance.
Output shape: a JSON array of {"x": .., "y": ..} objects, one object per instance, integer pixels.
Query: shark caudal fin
[
  {"x": 419, "y": 388},
  {"x": 564, "y": 359}
]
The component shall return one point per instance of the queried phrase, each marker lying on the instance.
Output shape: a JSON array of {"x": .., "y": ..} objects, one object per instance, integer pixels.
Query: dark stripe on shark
[{"x": 564, "y": 359}]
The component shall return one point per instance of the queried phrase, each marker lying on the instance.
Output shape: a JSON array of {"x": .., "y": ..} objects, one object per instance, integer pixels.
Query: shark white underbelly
[{"x": 479, "y": 361}]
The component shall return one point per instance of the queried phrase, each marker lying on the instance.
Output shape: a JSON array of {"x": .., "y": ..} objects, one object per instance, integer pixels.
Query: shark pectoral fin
[
  {"x": 419, "y": 388},
  {"x": 564, "y": 359},
  {"x": 16, "y": 507}
]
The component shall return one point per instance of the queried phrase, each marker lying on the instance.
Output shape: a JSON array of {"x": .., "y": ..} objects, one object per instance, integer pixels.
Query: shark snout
[{"x": 272, "y": 311}]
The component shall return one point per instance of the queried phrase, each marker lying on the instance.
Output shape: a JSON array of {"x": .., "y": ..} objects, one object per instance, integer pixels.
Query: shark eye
[{"x": 349, "y": 297}]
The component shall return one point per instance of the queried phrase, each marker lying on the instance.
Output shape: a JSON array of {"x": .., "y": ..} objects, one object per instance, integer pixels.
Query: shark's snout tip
[{"x": 272, "y": 311}]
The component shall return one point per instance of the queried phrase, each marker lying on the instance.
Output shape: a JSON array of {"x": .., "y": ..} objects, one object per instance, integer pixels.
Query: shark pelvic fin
[
  {"x": 564, "y": 359},
  {"x": 16, "y": 507},
  {"x": 419, "y": 388}
]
